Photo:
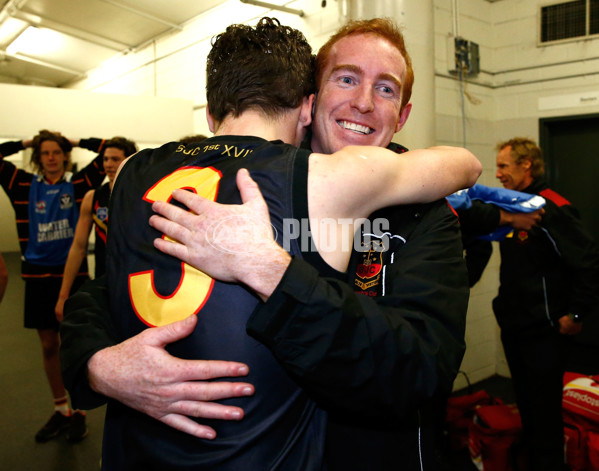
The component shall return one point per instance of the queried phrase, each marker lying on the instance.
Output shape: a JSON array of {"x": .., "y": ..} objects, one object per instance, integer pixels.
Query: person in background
[
  {"x": 488, "y": 214},
  {"x": 192, "y": 138},
  {"x": 3, "y": 277},
  {"x": 46, "y": 205},
  {"x": 94, "y": 211},
  {"x": 549, "y": 283},
  {"x": 381, "y": 344}
]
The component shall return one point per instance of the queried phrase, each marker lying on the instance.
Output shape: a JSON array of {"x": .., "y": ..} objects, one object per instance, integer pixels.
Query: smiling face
[
  {"x": 513, "y": 175},
  {"x": 359, "y": 98},
  {"x": 112, "y": 159}
]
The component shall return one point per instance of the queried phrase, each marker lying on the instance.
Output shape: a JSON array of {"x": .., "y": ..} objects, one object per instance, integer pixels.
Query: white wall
[
  {"x": 506, "y": 99},
  {"x": 149, "y": 121}
]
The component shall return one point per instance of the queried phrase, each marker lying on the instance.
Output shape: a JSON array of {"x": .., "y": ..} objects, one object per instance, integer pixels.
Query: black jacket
[
  {"x": 377, "y": 364},
  {"x": 549, "y": 271}
]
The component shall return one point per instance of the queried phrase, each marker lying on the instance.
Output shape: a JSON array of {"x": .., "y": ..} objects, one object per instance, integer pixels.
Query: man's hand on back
[{"x": 141, "y": 374}]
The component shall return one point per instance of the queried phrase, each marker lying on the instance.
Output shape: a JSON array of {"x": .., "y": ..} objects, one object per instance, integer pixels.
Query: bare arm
[
  {"x": 360, "y": 180},
  {"x": 77, "y": 252}
]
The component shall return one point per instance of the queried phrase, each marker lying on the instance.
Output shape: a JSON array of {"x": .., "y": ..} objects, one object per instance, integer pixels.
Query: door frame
[{"x": 544, "y": 139}]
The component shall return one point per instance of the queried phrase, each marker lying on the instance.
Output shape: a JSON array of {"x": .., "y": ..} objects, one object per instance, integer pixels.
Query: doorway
[{"x": 571, "y": 148}]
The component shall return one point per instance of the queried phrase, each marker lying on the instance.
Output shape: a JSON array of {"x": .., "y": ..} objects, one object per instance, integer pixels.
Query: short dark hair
[
  {"x": 43, "y": 136},
  {"x": 522, "y": 149},
  {"x": 192, "y": 138},
  {"x": 267, "y": 68},
  {"x": 383, "y": 27},
  {"x": 127, "y": 146}
]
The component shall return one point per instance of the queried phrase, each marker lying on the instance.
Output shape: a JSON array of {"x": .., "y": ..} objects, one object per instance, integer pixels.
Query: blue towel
[{"x": 510, "y": 200}]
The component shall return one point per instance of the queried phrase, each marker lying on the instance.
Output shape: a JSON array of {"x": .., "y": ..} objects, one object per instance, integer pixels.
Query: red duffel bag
[
  {"x": 493, "y": 437},
  {"x": 581, "y": 421}
]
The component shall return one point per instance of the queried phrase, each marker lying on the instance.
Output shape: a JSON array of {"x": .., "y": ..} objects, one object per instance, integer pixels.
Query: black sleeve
[
  {"x": 94, "y": 144},
  {"x": 479, "y": 219},
  {"x": 9, "y": 148},
  {"x": 477, "y": 254},
  {"x": 92, "y": 175},
  {"x": 85, "y": 329},
  {"x": 375, "y": 356}
]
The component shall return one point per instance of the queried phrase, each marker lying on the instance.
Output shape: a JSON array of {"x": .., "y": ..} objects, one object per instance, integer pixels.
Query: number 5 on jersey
[{"x": 194, "y": 286}]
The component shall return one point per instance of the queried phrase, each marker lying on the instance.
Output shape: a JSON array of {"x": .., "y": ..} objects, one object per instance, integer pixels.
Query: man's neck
[
  {"x": 53, "y": 177},
  {"x": 253, "y": 123}
]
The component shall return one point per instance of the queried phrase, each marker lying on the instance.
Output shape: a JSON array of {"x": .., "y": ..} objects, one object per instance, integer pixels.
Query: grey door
[{"x": 571, "y": 149}]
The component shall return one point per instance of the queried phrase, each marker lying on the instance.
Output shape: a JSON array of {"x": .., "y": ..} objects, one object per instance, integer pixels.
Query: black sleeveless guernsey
[
  {"x": 100, "y": 217},
  {"x": 282, "y": 429}
]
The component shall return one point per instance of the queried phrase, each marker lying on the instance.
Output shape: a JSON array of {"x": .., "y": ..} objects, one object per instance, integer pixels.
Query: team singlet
[{"x": 281, "y": 429}]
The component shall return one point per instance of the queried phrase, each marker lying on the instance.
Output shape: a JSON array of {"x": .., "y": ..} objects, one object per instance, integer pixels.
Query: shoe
[
  {"x": 77, "y": 429},
  {"x": 57, "y": 423}
]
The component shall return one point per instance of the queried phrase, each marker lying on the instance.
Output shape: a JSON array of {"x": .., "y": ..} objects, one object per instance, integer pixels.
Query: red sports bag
[
  {"x": 581, "y": 421},
  {"x": 492, "y": 436}
]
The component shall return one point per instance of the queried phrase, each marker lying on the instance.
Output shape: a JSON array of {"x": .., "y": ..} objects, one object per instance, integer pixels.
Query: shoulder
[
  {"x": 89, "y": 196},
  {"x": 554, "y": 197}
]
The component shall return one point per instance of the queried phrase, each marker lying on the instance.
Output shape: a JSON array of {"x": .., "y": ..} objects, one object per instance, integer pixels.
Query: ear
[
  {"x": 526, "y": 164},
  {"x": 307, "y": 110},
  {"x": 403, "y": 117},
  {"x": 304, "y": 119},
  {"x": 210, "y": 119}
]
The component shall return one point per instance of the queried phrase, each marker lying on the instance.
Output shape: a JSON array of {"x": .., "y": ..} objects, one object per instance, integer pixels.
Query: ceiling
[{"x": 75, "y": 36}]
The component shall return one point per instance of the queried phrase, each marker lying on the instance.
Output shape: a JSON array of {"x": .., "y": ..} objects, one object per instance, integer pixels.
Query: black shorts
[{"x": 41, "y": 295}]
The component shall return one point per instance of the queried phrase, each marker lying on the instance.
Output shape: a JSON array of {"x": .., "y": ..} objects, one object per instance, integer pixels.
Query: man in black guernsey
[
  {"x": 93, "y": 212},
  {"x": 258, "y": 84}
]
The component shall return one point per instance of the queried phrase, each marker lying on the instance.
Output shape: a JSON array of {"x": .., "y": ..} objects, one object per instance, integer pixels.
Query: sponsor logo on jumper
[
  {"x": 55, "y": 230},
  {"x": 102, "y": 213},
  {"x": 66, "y": 201},
  {"x": 40, "y": 207}
]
